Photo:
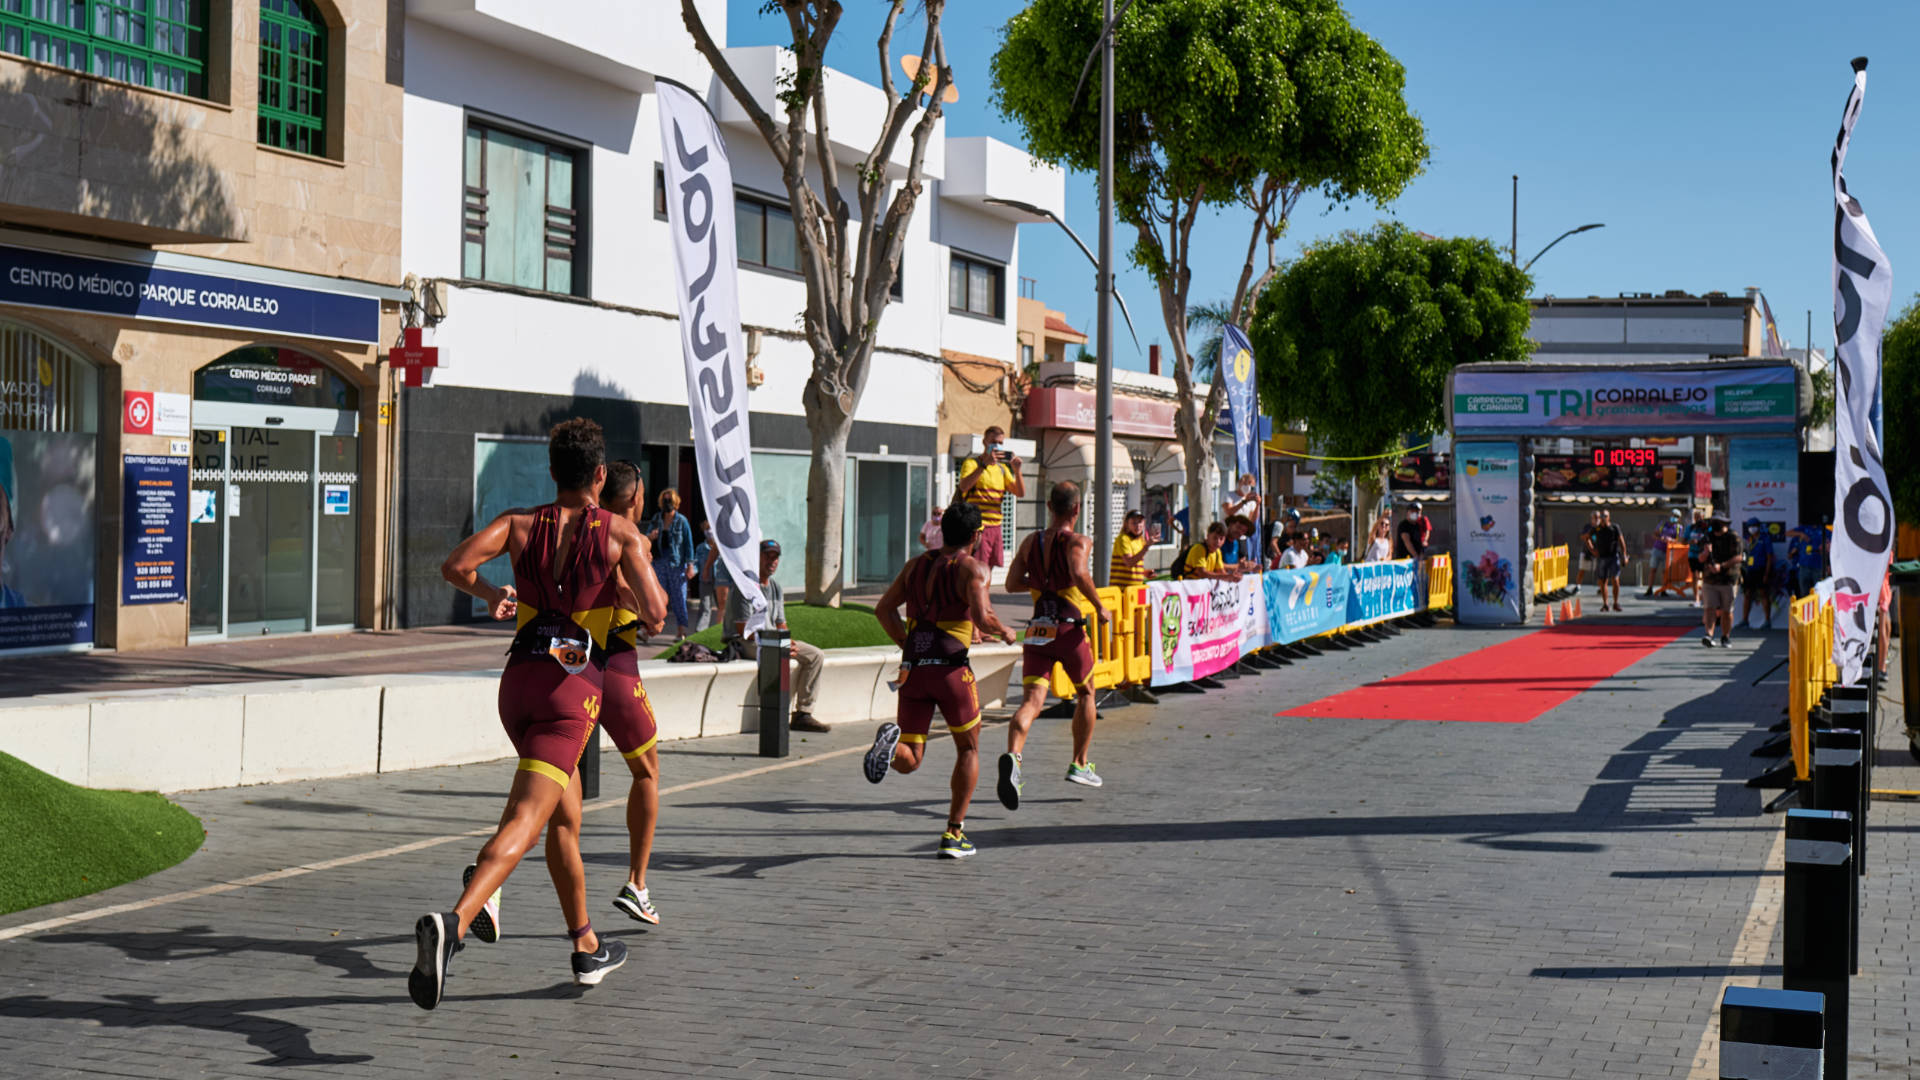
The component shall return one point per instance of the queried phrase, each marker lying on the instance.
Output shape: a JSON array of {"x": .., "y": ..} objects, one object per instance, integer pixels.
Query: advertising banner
[
  {"x": 1196, "y": 627},
  {"x": 1490, "y": 540},
  {"x": 1254, "y": 632},
  {"x": 153, "y": 526},
  {"x": 1307, "y": 602},
  {"x": 1382, "y": 590},
  {"x": 1763, "y": 481},
  {"x": 1551, "y": 399},
  {"x": 46, "y": 539},
  {"x": 1612, "y": 470},
  {"x": 706, "y": 275},
  {"x": 1863, "y": 525},
  {"x": 1243, "y": 406}
]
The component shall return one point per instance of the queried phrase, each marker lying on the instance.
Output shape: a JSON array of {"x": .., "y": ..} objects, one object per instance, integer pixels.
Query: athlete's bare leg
[
  {"x": 966, "y": 772},
  {"x": 1033, "y": 698},
  {"x": 530, "y": 803},
  {"x": 1083, "y": 717},
  {"x": 908, "y": 756},
  {"x": 643, "y": 809},
  {"x": 569, "y": 874}
]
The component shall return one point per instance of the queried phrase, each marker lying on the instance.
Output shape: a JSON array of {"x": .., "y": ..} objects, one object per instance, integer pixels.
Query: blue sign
[
  {"x": 47, "y": 626},
  {"x": 153, "y": 530},
  {"x": 47, "y": 279},
  {"x": 1304, "y": 603},
  {"x": 1382, "y": 590},
  {"x": 1243, "y": 406}
]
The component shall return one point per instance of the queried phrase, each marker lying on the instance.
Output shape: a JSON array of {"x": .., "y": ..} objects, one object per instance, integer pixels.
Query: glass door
[
  {"x": 270, "y": 530},
  {"x": 337, "y": 550},
  {"x": 881, "y": 524},
  {"x": 207, "y": 534}
]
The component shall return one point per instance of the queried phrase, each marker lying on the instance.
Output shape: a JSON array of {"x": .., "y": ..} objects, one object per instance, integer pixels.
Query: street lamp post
[
  {"x": 1103, "y": 393},
  {"x": 1557, "y": 239}
]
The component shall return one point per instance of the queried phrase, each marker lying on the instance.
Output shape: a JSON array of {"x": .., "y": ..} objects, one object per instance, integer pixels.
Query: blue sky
[{"x": 1698, "y": 133}]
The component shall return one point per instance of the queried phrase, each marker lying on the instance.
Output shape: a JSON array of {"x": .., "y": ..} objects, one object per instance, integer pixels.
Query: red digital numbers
[{"x": 1624, "y": 455}]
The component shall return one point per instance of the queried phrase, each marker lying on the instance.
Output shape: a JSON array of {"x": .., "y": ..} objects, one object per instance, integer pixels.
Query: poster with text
[
  {"x": 153, "y": 529},
  {"x": 1491, "y": 539},
  {"x": 1307, "y": 602},
  {"x": 1196, "y": 628},
  {"x": 1382, "y": 590},
  {"x": 46, "y": 539},
  {"x": 1254, "y": 633},
  {"x": 1763, "y": 481}
]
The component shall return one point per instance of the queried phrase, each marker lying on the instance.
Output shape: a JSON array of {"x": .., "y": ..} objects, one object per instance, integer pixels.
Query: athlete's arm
[
  {"x": 636, "y": 569},
  {"x": 1083, "y": 580},
  {"x": 462, "y": 568},
  {"x": 979, "y": 608},
  {"x": 888, "y": 609},
  {"x": 1017, "y": 569}
]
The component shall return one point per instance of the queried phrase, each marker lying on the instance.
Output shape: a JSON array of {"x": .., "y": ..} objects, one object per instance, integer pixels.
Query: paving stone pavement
[{"x": 1247, "y": 897}]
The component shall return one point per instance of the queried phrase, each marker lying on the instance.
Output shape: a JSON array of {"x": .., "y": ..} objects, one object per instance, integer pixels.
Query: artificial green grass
[
  {"x": 62, "y": 841},
  {"x": 849, "y": 626}
]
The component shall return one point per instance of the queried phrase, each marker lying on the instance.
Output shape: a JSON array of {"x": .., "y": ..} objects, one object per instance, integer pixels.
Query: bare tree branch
[{"x": 717, "y": 59}]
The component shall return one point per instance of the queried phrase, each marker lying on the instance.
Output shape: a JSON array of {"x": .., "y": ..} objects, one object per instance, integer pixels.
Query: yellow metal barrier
[
  {"x": 1549, "y": 570},
  {"x": 1675, "y": 577},
  {"x": 1810, "y": 670},
  {"x": 1439, "y": 582},
  {"x": 1114, "y": 642}
]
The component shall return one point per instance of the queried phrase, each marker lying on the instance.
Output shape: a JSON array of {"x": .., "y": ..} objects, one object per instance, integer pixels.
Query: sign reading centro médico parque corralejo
[
  {"x": 47, "y": 279},
  {"x": 1561, "y": 399}
]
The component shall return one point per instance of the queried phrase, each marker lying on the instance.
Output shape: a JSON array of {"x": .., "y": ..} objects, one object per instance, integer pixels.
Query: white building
[{"x": 532, "y": 188}]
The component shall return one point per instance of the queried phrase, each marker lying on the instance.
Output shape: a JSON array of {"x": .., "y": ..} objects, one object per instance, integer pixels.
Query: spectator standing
[
  {"x": 700, "y": 577},
  {"x": 986, "y": 479},
  {"x": 1296, "y": 555},
  {"x": 1128, "y": 566},
  {"x": 1203, "y": 560},
  {"x": 1756, "y": 572},
  {"x": 1244, "y": 503},
  {"x": 808, "y": 658},
  {"x": 1657, "y": 552},
  {"x": 1239, "y": 546},
  {"x": 1696, "y": 550},
  {"x": 672, "y": 540},
  {"x": 1338, "y": 556},
  {"x": 1410, "y": 539},
  {"x": 1584, "y": 549},
  {"x": 1719, "y": 567},
  {"x": 1803, "y": 552},
  {"x": 1380, "y": 546},
  {"x": 1609, "y": 549}
]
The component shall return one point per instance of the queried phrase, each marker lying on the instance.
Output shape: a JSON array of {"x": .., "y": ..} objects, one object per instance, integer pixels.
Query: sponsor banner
[
  {"x": 1382, "y": 590},
  {"x": 153, "y": 526},
  {"x": 46, "y": 539},
  {"x": 1489, "y": 542},
  {"x": 1196, "y": 627},
  {"x": 1424, "y": 471},
  {"x": 1863, "y": 525},
  {"x": 46, "y": 279},
  {"x": 1307, "y": 602},
  {"x": 1254, "y": 632},
  {"x": 1548, "y": 400},
  {"x": 1763, "y": 481},
  {"x": 1243, "y": 406},
  {"x": 706, "y": 274}
]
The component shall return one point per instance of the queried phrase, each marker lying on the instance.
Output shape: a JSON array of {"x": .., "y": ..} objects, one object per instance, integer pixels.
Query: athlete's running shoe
[
  {"x": 880, "y": 758},
  {"x": 636, "y": 904},
  {"x": 436, "y": 937},
  {"x": 1010, "y": 783},
  {"x": 954, "y": 844},
  {"x": 590, "y": 968},
  {"x": 1083, "y": 774},
  {"x": 486, "y": 925}
]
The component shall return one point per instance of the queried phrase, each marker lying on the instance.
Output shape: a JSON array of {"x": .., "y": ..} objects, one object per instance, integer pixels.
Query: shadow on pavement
[{"x": 1657, "y": 971}]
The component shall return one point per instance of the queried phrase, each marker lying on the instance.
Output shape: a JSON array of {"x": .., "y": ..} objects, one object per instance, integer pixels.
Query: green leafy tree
[
  {"x": 1900, "y": 415},
  {"x": 1247, "y": 104},
  {"x": 1356, "y": 337},
  {"x": 849, "y": 252}
]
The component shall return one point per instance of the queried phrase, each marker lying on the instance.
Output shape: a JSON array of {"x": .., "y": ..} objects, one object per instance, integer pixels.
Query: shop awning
[
  {"x": 1169, "y": 466},
  {"x": 1068, "y": 455}
]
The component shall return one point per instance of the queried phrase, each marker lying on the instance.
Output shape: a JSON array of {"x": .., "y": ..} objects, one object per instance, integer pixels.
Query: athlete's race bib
[
  {"x": 570, "y": 653},
  {"x": 1041, "y": 631}
]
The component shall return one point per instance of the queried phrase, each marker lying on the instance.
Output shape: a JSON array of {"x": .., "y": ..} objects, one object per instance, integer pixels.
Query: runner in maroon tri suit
[
  {"x": 1053, "y": 566},
  {"x": 565, "y": 556},
  {"x": 626, "y": 713},
  {"x": 945, "y": 591}
]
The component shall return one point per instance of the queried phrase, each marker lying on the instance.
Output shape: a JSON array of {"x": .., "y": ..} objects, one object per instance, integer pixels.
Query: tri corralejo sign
[
  {"x": 132, "y": 290},
  {"x": 1711, "y": 397}
]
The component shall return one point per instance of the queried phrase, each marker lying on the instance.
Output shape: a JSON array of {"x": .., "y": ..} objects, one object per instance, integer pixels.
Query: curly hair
[{"x": 575, "y": 448}]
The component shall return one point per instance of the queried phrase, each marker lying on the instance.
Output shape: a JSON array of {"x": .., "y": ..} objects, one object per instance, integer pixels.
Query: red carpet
[{"x": 1508, "y": 683}]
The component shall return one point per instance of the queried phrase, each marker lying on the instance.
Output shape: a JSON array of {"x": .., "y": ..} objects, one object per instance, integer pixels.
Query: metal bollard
[
  {"x": 1815, "y": 926},
  {"x": 590, "y": 766},
  {"x": 1855, "y": 707},
  {"x": 1770, "y": 1034},
  {"x": 1835, "y": 826},
  {"x": 776, "y": 691},
  {"x": 1839, "y": 780}
]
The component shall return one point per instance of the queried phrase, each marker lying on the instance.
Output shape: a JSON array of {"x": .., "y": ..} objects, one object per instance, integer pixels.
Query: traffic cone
[
  {"x": 1566, "y": 610},
  {"x": 1576, "y": 607},
  {"x": 1549, "y": 610}
]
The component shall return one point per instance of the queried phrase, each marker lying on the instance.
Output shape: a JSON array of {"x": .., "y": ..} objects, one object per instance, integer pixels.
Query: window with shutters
[
  {"x": 156, "y": 43},
  {"x": 293, "y": 76},
  {"x": 523, "y": 221}
]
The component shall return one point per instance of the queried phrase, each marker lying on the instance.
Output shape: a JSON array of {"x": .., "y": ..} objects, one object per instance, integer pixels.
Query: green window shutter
[
  {"x": 293, "y": 76},
  {"x": 156, "y": 43}
]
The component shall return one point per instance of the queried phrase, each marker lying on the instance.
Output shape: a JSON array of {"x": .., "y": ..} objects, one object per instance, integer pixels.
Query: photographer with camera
[{"x": 985, "y": 481}]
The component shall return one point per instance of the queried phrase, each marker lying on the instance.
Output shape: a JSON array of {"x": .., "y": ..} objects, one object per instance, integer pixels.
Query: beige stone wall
[{"x": 98, "y": 157}]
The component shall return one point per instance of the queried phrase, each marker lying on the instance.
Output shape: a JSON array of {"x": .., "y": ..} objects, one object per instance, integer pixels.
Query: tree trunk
[
  {"x": 1369, "y": 485},
  {"x": 1201, "y": 498},
  {"x": 826, "y": 506}
]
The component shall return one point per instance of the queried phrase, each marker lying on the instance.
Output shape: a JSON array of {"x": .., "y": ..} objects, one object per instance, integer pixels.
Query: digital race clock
[{"x": 1615, "y": 456}]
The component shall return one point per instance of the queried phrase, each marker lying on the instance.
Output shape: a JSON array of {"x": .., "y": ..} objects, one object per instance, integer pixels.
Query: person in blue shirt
[
  {"x": 701, "y": 579},
  {"x": 1803, "y": 552},
  {"x": 1756, "y": 571},
  {"x": 672, "y": 557},
  {"x": 1339, "y": 553}
]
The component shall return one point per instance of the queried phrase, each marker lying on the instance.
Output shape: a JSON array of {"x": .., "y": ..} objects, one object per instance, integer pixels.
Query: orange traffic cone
[
  {"x": 1549, "y": 610},
  {"x": 1576, "y": 607},
  {"x": 1566, "y": 610}
]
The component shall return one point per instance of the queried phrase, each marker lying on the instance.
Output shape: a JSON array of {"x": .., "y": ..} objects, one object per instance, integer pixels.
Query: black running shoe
[
  {"x": 1010, "y": 784},
  {"x": 590, "y": 968},
  {"x": 436, "y": 937},
  {"x": 880, "y": 758},
  {"x": 485, "y": 925}
]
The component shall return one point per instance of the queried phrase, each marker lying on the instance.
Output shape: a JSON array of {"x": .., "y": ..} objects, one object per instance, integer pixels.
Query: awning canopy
[
  {"x": 1169, "y": 466},
  {"x": 1068, "y": 455}
]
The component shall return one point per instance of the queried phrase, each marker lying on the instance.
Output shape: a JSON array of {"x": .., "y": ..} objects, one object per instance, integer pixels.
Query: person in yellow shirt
[
  {"x": 1203, "y": 559},
  {"x": 985, "y": 480},
  {"x": 1129, "y": 564}
]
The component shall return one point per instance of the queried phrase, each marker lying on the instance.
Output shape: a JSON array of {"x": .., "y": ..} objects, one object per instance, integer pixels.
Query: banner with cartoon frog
[{"x": 1196, "y": 627}]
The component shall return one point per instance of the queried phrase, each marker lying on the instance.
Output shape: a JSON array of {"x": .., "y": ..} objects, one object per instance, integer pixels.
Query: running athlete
[
  {"x": 1053, "y": 566},
  {"x": 626, "y": 712},
  {"x": 945, "y": 591},
  {"x": 564, "y": 556}
]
